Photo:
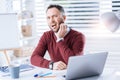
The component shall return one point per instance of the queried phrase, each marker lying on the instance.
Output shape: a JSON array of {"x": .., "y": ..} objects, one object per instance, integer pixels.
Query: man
[{"x": 61, "y": 41}]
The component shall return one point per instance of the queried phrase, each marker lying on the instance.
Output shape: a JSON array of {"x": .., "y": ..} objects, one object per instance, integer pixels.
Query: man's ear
[{"x": 64, "y": 17}]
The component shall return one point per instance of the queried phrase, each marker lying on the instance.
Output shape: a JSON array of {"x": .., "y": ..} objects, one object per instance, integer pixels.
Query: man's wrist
[{"x": 51, "y": 65}]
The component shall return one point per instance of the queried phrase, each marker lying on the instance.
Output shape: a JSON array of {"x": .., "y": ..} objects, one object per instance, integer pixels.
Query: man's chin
[{"x": 55, "y": 31}]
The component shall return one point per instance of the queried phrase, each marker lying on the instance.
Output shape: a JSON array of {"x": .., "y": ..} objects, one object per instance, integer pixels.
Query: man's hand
[
  {"x": 62, "y": 30},
  {"x": 59, "y": 65}
]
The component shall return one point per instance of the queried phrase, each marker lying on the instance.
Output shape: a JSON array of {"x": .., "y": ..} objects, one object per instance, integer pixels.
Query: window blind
[
  {"x": 80, "y": 13},
  {"x": 84, "y": 15},
  {"x": 116, "y": 7},
  {"x": 114, "y": 57},
  {"x": 40, "y": 17}
]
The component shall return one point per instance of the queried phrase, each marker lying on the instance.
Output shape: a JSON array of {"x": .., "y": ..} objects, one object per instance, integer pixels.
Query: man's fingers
[
  {"x": 62, "y": 31},
  {"x": 59, "y": 65},
  {"x": 63, "y": 27}
]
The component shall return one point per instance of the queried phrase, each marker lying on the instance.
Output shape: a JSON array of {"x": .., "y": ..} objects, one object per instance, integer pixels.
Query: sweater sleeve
[
  {"x": 77, "y": 47},
  {"x": 39, "y": 52}
]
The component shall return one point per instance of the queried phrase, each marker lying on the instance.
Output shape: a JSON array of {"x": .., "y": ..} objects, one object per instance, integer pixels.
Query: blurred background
[{"x": 82, "y": 15}]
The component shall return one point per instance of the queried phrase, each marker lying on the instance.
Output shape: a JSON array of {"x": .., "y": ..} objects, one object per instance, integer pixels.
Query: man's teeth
[{"x": 53, "y": 25}]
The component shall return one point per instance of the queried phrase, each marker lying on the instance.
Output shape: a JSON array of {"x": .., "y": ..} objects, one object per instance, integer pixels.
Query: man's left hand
[{"x": 59, "y": 65}]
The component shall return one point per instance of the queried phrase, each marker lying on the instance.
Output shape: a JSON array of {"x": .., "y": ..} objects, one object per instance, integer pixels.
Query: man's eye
[
  {"x": 48, "y": 18},
  {"x": 55, "y": 16}
]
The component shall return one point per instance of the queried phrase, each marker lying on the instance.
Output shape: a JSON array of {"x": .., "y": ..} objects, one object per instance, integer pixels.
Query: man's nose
[{"x": 52, "y": 20}]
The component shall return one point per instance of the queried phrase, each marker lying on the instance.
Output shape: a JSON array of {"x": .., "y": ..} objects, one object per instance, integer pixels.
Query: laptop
[{"x": 86, "y": 66}]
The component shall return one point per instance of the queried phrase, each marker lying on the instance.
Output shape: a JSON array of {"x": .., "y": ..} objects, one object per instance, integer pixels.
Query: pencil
[{"x": 46, "y": 77}]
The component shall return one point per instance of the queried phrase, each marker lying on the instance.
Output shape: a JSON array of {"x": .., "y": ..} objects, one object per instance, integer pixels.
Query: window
[
  {"x": 80, "y": 13},
  {"x": 40, "y": 17},
  {"x": 116, "y": 7},
  {"x": 84, "y": 16}
]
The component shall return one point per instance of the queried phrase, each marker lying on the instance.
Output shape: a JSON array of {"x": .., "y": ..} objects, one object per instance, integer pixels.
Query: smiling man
[{"x": 61, "y": 41}]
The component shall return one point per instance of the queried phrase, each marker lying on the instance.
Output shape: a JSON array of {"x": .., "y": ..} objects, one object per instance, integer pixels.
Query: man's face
[{"x": 54, "y": 19}]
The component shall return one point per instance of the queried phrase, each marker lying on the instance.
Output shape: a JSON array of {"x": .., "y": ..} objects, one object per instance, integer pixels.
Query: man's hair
[{"x": 60, "y": 8}]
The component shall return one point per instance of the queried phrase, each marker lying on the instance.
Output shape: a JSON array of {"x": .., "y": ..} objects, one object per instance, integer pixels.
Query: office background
[{"x": 82, "y": 15}]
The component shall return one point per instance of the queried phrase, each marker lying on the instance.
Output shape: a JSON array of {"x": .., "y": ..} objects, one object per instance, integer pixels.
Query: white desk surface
[{"x": 108, "y": 74}]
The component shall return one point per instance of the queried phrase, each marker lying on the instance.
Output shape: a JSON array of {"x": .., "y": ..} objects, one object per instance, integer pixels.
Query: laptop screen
[{"x": 86, "y": 65}]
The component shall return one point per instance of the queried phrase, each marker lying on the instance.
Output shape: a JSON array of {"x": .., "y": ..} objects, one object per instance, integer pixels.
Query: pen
[
  {"x": 42, "y": 75},
  {"x": 46, "y": 74},
  {"x": 36, "y": 75}
]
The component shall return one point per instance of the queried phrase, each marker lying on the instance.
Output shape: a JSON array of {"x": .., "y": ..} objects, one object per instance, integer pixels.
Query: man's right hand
[
  {"x": 59, "y": 65},
  {"x": 62, "y": 30}
]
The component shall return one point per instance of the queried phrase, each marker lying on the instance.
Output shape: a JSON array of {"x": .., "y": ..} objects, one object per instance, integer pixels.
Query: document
[{"x": 23, "y": 68}]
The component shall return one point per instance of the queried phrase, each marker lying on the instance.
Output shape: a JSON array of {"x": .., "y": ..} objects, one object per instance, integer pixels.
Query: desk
[
  {"x": 29, "y": 75},
  {"x": 108, "y": 74}
]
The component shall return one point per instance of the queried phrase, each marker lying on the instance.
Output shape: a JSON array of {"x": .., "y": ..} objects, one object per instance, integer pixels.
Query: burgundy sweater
[{"x": 73, "y": 44}]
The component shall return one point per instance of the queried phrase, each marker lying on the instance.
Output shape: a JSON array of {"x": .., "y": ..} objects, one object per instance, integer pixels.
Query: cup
[{"x": 14, "y": 71}]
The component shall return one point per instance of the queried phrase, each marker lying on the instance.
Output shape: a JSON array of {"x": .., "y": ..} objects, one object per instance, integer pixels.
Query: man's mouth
[{"x": 54, "y": 25}]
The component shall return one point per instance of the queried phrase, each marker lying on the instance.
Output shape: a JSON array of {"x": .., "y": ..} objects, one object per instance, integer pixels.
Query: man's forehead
[{"x": 53, "y": 11}]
